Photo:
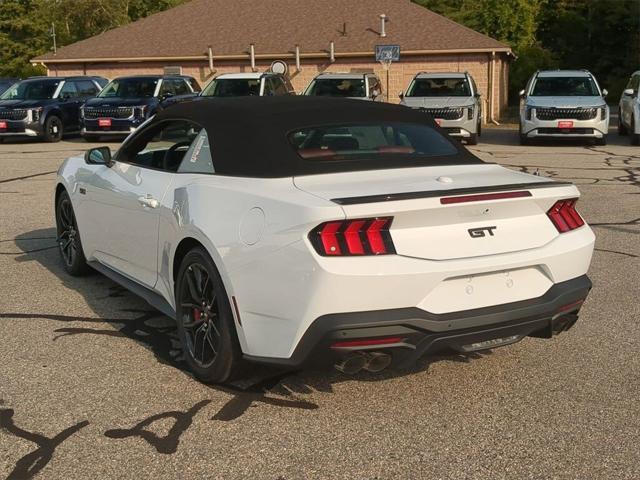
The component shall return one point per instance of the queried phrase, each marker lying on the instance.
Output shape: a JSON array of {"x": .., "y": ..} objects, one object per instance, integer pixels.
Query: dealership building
[{"x": 205, "y": 38}]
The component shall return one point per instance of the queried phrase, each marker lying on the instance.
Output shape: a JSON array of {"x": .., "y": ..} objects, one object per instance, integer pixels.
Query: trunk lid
[{"x": 424, "y": 227}]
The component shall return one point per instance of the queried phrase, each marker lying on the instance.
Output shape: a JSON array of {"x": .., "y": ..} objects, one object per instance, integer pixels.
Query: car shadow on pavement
[{"x": 120, "y": 313}]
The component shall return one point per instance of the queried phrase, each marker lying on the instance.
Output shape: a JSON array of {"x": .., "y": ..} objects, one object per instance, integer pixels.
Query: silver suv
[
  {"x": 364, "y": 86},
  {"x": 629, "y": 113},
  {"x": 561, "y": 104},
  {"x": 452, "y": 99}
]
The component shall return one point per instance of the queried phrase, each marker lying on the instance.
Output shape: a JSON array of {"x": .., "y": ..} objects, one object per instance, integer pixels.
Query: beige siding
[{"x": 400, "y": 73}]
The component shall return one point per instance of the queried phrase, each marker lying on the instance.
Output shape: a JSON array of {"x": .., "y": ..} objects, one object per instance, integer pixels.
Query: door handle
[{"x": 148, "y": 201}]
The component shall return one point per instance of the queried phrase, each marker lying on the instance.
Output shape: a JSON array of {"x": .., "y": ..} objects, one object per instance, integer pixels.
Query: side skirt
[{"x": 151, "y": 297}]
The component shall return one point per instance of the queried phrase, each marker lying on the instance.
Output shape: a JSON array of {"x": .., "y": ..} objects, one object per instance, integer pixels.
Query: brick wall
[{"x": 400, "y": 73}]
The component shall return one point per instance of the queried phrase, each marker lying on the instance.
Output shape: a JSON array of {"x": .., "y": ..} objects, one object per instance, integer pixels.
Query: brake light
[
  {"x": 362, "y": 236},
  {"x": 564, "y": 215}
]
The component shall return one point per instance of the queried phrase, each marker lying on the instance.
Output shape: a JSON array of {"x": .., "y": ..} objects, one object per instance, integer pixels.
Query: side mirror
[
  {"x": 98, "y": 156},
  {"x": 605, "y": 92},
  {"x": 477, "y": 95},
  {"x": 401, "y": 95},
  {"x": 629, "y": 91},
  {"x": 521, "y": 93}
]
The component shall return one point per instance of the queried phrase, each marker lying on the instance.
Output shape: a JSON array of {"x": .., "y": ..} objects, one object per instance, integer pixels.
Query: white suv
[
  {"x": 629, "y": 113},
  {"x": 452, "y": 99},
  {"x": 363, "y": 86},
  {"x": 561, "y": 104},
  {"x": 248, "y": 84}
]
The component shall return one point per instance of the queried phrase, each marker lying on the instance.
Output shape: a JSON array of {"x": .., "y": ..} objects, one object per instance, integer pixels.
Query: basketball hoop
[{"x": 386, "y": 60}]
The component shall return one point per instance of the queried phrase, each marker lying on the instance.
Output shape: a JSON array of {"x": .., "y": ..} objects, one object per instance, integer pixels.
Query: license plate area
[
  {"x": 438, "y": 121},
  {"x": 486, "y": 289},
  {"x": 3, "y": 125},
  {"x": 104, "y": 122},
  {"x": 565, "y": 125}
]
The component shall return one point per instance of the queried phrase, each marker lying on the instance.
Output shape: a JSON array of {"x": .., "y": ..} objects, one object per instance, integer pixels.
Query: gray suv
[
  {"x": 452, "y": 99},
  {"x": 563, "y": 104},
  {"x": 364, "y": 86},
  {"x": 629, "y": 113}
]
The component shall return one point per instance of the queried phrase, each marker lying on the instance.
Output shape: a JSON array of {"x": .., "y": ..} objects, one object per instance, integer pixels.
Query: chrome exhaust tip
[
  {"x": 377, "y": 361},
  {"x": 351, "y": 364}
]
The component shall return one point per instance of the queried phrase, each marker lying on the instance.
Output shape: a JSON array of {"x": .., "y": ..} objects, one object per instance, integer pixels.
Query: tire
[
  {"x": 205, "y": 322},
  {"x": 635, "y": 137},
  {"x": 622, "y": 130},
  {"x": 601, "y": 141},
  {"x": 69, "y": 243},
  {"x": 523, "y": 139},
  {"x": 53, "y": 129},
  {"x": 473, "y": 139},
  {"x": 479, "y": 128}
]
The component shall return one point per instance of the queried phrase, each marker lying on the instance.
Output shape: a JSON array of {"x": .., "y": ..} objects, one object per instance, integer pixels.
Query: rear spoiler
[{"x": 391, "y": 197}]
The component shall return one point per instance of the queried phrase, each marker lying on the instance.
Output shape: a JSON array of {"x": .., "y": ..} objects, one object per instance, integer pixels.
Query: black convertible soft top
[{"x": 249, "y": 135}]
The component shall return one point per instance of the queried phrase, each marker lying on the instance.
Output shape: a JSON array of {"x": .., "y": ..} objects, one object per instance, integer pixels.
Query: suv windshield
[
  {"x": 369, "y": 142},
  {"x": 31, "y": 90},
  {"x": 130, "y": 88},
  {"x": 337, "y": 87},
  {"x": 232, "y": 87},
  {"x": 439, "y": 87},
  {"x": 564, "y": 87}
]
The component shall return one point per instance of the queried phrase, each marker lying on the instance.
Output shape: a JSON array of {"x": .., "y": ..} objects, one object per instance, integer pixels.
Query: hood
[
  {"x": 120, "y": 102},
  {"x": 25, "y": 103},
  {"x": 437, "y": 102},
  {"x": 565, "y": 102}
]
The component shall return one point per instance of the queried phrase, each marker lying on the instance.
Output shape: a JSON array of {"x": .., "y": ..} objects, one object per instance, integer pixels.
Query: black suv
[
  {"x": 126, "y": 102},
  {"x": 44, "y": 107}
]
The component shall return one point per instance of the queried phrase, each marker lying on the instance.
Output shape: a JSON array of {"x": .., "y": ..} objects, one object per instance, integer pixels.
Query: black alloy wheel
[
  {"x": 68, "y": 237},
  {"x": 205, "y": 322},
  {"x": 53, "y": 129}
]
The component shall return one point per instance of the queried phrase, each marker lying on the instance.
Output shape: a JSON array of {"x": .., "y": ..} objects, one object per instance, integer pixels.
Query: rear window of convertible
[{"x": 370, "y": 141}]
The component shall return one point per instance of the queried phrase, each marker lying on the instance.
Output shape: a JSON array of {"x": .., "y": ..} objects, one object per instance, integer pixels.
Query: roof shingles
[{"x": 275, "y": 27}]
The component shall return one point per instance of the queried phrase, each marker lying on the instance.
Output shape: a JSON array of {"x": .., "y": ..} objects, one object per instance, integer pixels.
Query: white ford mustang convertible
[{"x": 298, "y": 230}]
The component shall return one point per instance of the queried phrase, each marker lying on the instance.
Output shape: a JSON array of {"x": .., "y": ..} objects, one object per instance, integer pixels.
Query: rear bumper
[{"x": 420, "y": 332}]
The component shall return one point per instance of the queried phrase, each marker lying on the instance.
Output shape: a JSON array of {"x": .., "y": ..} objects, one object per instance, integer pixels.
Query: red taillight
[
  {"x": 564, "y": 215},
  {"x": 367, "y": 342},
  {"x": 362, "y": 236}
]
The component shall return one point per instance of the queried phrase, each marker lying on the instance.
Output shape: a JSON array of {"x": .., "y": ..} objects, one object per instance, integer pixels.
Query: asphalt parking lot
[{"x": 91, "y": 382}]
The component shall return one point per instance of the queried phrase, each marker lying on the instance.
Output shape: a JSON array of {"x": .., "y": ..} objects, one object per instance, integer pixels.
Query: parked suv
[
  {"x": 44, "y": 107},
  {"x": 126, "y": 102},
  {"x": 561, "y": 104},
  {"x": 452, "y": 99},
  {"x": 365, "y": 86},
  {"x": 629, "y": 111},
  {"x": 248, "y": 84}
]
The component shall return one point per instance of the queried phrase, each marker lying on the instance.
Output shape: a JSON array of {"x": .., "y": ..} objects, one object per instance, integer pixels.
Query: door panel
[{"x": 122, "y": 200}]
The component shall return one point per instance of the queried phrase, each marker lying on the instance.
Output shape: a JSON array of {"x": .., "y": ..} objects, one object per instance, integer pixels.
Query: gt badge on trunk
[{"x": 481, "y": 232}]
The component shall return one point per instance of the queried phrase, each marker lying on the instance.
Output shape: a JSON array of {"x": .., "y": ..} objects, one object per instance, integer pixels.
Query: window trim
[{"x": 143, "y": 129}]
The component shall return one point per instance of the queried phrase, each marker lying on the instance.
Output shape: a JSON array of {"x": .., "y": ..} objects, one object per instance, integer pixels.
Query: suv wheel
[
  {"x": 601, "y": 141},
  {"x": 635, "y": 137},
  {"x": 205, "y": 322},
  {"x": 473, "y": 139},
  {"x": 53, "y": 129}
]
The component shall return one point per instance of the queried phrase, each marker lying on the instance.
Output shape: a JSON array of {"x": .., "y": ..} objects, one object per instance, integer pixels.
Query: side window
[
  {"x": 86, "y": 88},
  {"x": 69, "y": 90},
  {"x": 181, "y": 87},
  {"x": 375, "y": 89},
  {"x": 268, "y": 87},
  {"x": 160, "y": 146},
  {"x": 194, "y": 84},
  {"x": 279, "y": 88},
  {"x": 198, "y": 158},
  {"x": 167, "y": 89}
]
